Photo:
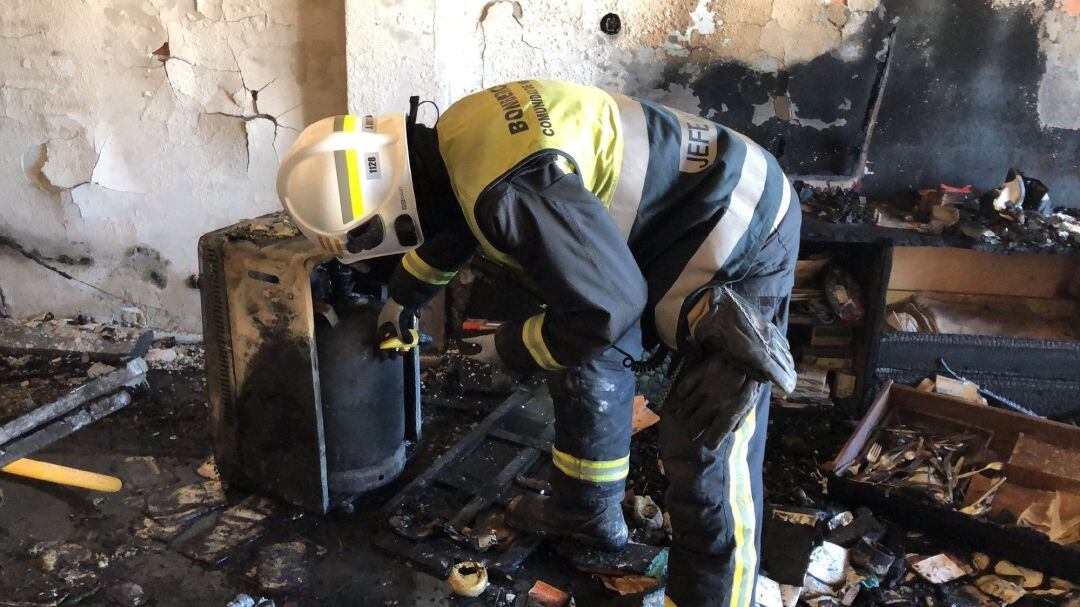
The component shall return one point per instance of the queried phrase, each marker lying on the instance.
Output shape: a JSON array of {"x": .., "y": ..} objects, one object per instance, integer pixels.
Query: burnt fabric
[{"x": 714, "y": 496}]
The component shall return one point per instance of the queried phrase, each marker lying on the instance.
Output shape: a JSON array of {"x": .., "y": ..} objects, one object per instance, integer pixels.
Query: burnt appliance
[{"x": 300, "y": 407}]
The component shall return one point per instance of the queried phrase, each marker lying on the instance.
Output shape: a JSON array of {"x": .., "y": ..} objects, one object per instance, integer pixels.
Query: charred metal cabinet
[{"x": 300, "y": 407}]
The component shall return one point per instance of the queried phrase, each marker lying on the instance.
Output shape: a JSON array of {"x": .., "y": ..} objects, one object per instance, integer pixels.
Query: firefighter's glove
[
  {"x": 735, "y": 329},
  {"x": 482, "y": 349},
  {"x": 711, "y": 397},
  {"x": 396, "y": 331}
]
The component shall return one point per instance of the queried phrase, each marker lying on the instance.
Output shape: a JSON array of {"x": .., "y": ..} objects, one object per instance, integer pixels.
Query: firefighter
[{"x": 641, "y": 226}]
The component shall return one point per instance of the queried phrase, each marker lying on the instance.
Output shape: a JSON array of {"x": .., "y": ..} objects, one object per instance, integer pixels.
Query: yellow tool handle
[
  {"x": 395, "y": 343},
  {"x": 55, "y": 473}
]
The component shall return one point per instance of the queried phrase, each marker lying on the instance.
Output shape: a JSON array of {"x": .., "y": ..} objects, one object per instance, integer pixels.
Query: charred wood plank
[{"x": 18, "y": 338}]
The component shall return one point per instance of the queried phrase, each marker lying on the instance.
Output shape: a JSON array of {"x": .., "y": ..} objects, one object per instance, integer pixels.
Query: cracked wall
[
  {"x": 799, "y": 76},
  {"x": 128, "y": 128},
  {"x": 444, "y": 49},
  {"x": 744, "y": 63}
]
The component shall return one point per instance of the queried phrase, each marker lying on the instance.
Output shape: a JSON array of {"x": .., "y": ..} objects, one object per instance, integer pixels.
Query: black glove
[
  {"x": 736, "y": 329},
  {"x": 396, "y": 332},
  {"x": 711, "y": 397}
]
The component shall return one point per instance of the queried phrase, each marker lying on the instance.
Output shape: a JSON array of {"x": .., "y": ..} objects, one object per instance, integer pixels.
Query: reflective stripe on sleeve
[
  {"x": 634, "y": 164},
  {"x": 425, "y": 272},
  {"x": 715, "y": 250},
  {"x": 602, "y": 471},
  {"x": 785, "y": 202},
  {"x": 533, "y": 337}
]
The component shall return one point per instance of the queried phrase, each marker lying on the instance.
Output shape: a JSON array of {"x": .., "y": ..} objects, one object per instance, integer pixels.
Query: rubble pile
[
  {"x": 453, "y": 374},
  {"x": 819, "y": 547},
  {"x": 29, "y": 381},
  {"x": 1019, "y": 215},
  {"x": 858, "y": 560},
  {"x": 834, "y": 205},
  {"x": 105, "y": 343},
  {"x": 921, "y": 459},
  {"x": 816, "y": 552}
]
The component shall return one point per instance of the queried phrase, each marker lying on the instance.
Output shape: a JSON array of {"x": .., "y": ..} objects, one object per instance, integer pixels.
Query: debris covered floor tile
[{"x": 175, "y": 530}]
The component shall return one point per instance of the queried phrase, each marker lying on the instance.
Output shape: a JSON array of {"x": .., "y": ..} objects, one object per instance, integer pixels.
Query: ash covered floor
[
  {"x": 64, "y": 546},
  {"x": 158, "y": 442},
  {"x": 68, "y": 546}
]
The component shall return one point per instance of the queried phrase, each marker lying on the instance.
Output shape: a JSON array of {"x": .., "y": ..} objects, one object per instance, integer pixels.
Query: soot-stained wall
[
  {"x": 973, "y": 87},
  {"x": 962, "y": 103},
  {"x": 971, "y": 94},
  {"x": 128, "y": 128}
]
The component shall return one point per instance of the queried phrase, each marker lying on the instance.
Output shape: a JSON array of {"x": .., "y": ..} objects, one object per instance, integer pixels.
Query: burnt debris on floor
[
  {"x": 174, "y": 534},
  {"x": 239, "y": 486},
  {"x": 175, "y": 529}
]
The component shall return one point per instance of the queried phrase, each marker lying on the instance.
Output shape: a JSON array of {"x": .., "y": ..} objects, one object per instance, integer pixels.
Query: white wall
[
  {"x": 114, "y": 160},
  {"x": 443, "y": 49}
]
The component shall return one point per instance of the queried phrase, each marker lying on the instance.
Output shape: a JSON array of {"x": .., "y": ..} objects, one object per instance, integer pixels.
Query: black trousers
[
  {"x": 714, "y": 497},
  {"x": 593, "y": 414}
]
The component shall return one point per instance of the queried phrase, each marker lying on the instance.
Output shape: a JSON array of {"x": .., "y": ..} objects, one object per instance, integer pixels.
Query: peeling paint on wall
[
  {"x": 131, "y": 127},
  {"x": 797, "y": 75},
  {"x": 148, "y": 122},
  {"x": 476, "y": 43},
  {"x": 1059, "y": 102},
  {"x": 713, "y": 57}
]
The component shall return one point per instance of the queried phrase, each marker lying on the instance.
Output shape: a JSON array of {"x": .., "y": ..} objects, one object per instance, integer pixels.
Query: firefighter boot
[{"x": 602, "y": 527}]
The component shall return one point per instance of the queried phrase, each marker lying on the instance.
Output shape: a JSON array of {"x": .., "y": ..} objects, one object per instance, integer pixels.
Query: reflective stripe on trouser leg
[
  {"x": 595, "y": 471},
  {"x": 593, "y": 408},
  {"x": 744, "y": 514},
  {"x": 714, "y": 500}
]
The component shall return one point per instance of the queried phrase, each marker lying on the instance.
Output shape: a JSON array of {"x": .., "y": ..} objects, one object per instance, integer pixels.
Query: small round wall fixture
[{"x": 610, "y": 24}]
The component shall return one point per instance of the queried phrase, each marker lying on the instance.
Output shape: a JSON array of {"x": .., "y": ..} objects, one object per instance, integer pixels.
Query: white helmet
[{"x": 347, "y": 185}]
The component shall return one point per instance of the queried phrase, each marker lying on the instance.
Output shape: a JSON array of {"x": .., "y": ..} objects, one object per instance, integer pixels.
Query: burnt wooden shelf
[{"x": 815, "y": 230}]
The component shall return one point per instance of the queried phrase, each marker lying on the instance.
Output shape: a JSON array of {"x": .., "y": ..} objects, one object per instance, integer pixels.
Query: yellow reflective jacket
[{"x": 612, "y": 207}]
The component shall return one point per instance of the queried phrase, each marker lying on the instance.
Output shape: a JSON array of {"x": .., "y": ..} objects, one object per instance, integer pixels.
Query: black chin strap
[{"x": 414, "y": 106}]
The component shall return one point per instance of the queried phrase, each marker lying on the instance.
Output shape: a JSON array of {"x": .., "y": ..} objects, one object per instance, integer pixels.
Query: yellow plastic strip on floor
[{"x": 63, "y": 475}]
